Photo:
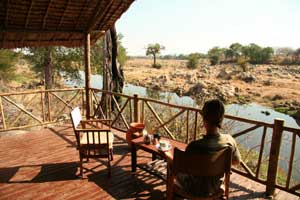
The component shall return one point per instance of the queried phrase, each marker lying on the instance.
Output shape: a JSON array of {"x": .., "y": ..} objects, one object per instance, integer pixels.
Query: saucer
[{"x": 163, "y": 149}]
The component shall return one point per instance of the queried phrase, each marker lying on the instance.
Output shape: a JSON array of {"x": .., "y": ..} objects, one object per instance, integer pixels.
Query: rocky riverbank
[{"x": 269, "y": 85}]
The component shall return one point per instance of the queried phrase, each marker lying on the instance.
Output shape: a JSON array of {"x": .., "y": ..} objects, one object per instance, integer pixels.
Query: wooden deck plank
[{"x": 43, "y": 165}]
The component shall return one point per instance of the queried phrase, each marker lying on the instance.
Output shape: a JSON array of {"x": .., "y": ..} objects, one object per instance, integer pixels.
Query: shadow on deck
[{"x": 43, "y": 164}]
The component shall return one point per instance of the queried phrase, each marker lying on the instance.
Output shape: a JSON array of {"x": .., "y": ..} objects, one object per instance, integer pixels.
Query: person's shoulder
[
  {"x": 195, "y": 144},
  {"x": 226, "y": 135}
]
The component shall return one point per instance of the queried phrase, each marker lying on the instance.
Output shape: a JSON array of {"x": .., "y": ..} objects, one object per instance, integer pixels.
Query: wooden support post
[
  {"x": 2, "y": 114},
  {"x": 136, "y": 108},
  {"x": 49, "y": 105},
  {"x": 274, "y": 156},
  {"x": 43, "y": 106},
  {"x": 87, "y": 74}
]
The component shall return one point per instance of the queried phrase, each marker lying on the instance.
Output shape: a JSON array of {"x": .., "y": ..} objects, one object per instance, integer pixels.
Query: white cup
[{"x": 164, "y": 144}]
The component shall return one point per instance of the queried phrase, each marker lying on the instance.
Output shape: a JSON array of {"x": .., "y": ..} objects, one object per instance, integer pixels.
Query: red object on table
[{"x": 134, "y": 131}]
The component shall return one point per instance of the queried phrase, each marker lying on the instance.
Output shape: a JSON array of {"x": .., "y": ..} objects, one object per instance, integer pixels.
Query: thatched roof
[{"x": 25, "y": 23}]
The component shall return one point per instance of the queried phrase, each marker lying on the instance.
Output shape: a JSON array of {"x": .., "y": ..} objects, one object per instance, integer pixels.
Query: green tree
[
  {"x": 266, "y": 54},
  {"x": 257, "y": 54},
  {"x": 193, "y": 60},
  {"x": 154, "y": 50},
  {"x": 50, "y": 63},
  {"x": 122, "y": 53},
  {"x": 8, "y": 60},
  {"x": 215, "y": 55},
  {"x": 236, "y": 49}
]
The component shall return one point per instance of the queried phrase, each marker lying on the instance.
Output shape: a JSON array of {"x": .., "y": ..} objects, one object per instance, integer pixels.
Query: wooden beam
[
  {"x": 28, "y": 13},
  {"x": 2, "y": 114},
  {"x": 6, "y": 14},
  {"x": 87, "y": 73},
  {"x": 246, "y": 131},
  {"x": 63, "y": 15},
  {"x": 22, "y": 109},
  {"x": 262, "y": 145},
  {"x": 120, "y": 110},
  {"x": 112, "y": 13},
  {"x": 97, "y": 14},
  {"x": 39, "y": 31},
  {"x": 274, "y": 156},
  {"x": 26, "y": 21},
  {"x": 46, "y": 14},
  {"x": 81, "y": 11},
  {"x": 293, "y": 146}
]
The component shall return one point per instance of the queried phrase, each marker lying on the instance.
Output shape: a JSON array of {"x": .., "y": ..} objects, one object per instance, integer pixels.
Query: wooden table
[{"x": 138, "y": 144}]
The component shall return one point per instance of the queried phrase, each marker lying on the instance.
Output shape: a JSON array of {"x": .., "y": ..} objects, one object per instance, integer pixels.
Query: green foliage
[
  {"x": 257, "y": 54},
  {"x": 157, "y": 66},
  {"x": 8, "y": 60},
  {"x": 234, "y": 52},
  {"x": 253, "y": 53},
  {"x": 64, "y": 61},
  {"x": 243, "y": 63},
  {"x": 154, "y": 50},
  {"x": 122, "y": 53},
  {"x": 193, "y": 60},
  {"x": 215, "y": 55}
]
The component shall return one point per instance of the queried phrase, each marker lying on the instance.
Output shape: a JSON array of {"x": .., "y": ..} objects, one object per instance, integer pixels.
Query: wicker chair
[
  {"x": 94, "y": 138},
  {"x": 208, "y": 164}
]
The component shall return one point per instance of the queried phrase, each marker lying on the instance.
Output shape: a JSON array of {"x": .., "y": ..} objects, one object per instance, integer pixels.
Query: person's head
[{"x": 213, "y": 113}]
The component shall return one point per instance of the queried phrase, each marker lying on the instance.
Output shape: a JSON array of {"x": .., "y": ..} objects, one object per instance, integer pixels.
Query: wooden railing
[
  {"x": 265, "y": 158},
  {"x": 21, "y": 110}
]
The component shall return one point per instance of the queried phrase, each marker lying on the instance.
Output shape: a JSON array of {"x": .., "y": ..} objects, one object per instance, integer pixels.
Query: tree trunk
[
  {"x": 48, "y": 78},
  {"x": 48, "y": 69},
  {"x": 113, "y": 79},
  {"x": 154, "y": 58}
]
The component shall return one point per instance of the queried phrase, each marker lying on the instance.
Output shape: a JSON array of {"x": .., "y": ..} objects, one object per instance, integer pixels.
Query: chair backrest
[
  {"x": 202, "y": 164},
  {"x": 75, "y": 117}
]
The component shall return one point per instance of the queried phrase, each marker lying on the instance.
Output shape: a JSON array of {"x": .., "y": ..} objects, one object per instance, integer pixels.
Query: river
[{"x": 250, "y": 111}]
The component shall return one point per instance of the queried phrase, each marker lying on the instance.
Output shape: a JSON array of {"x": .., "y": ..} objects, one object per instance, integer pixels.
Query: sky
[{"x": 187, "y": 26}]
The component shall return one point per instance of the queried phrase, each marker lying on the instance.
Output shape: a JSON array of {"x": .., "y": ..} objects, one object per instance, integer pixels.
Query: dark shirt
[{"x": 206, "y": 186}]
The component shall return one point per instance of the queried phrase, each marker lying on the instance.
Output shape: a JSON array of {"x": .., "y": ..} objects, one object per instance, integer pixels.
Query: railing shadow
[
  {"x": 247, "y": 193},
  {"x": 39, "y": 173}
]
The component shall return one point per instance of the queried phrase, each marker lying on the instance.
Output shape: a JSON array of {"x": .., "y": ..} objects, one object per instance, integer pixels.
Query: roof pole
[{"x": 87, "y": 73}]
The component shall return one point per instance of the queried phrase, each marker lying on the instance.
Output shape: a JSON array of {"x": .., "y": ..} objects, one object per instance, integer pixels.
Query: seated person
[{"x": 213, "y": 114}]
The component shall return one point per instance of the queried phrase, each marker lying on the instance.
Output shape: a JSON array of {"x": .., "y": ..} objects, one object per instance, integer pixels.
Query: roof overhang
[{"x": 40, "y": 23}]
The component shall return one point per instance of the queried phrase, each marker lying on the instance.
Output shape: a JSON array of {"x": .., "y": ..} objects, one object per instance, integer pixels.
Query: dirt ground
[{"x": 273, "y": 85}]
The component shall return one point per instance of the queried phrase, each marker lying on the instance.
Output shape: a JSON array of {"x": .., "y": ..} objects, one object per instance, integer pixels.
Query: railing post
[
  {"x": 48, "y": 99},
  {"x": 2, "y": 114},
  {"x": 136, "y": 108},
  {"x": 87, "y": 60},
  {"x": 274, "y": 156}
]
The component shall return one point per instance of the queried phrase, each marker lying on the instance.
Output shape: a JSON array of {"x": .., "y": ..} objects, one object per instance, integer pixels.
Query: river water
[{"x": 250, "y": 111}]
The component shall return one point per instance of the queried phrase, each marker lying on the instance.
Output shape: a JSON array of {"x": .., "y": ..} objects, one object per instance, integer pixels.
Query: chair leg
[
  {"x": 111, "y": 154},
  {"x": 109, "y": 167},
  {"x": 81, "y": 168}
]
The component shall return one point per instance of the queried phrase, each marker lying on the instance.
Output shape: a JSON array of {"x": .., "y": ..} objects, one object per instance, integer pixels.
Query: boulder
[
  {"x": 247, "y": 77},
  {"x": 224, "y": 75},
  {"x": 197, "y": 89}
]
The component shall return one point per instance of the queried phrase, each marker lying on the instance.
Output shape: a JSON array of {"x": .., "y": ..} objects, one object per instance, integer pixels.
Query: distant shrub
[
  {"x": 243, "y": 63},
  {"x": 192, "y": 62},
  {"x": 156, "y": 66},
  {"x": 287, "y": 61},
  {"x": 214, "y": 60}
]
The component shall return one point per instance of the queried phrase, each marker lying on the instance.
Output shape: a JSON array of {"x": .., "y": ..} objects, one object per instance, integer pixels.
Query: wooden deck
[{"x": 43, "y": 164}]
